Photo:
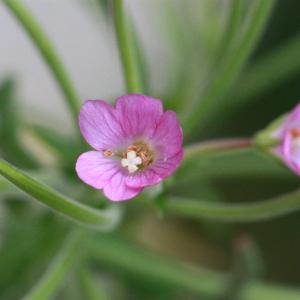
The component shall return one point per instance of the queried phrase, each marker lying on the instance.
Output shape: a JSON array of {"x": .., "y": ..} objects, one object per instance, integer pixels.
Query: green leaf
[
  {"x": 58, "y": 270},
  {"x": 76, "y": 211},
  {"x": 127, "y": 50},
  {"x": 268, "y": 71},
  {"x": 27, "y": 241},
  {"x": 10, "y": 126},
  {"x": 90, "y": 284},
  {"x": 247, "y": 265},
  {"x": 65, "y": 148},
  {"x": 127, "y": 257},
  {"x": 228, "y": 74},
  {"x": 48, "y": 52}
]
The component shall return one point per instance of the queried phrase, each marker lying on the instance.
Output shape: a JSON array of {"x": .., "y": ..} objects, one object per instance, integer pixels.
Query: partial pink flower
[
  {"x": 288, "y": 134},
  {"x": 136, "y": 145}
]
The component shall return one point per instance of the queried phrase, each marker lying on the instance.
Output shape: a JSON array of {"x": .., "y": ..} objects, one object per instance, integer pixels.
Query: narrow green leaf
[
  {"x": 247, "y": 265},
  {"x": 234, "y": 22},
  {"x": 91, "y": 286},
  {"x": 61, "y": 265},
  {"x": 268, "y": 71},
  {"x": 127, "y": 50},
  {"x": 255, "y": 211},
  {"x": 27, "y": 242},
  {"x": 59, "y": 143},
  {"x": 234, "y": 64},
  {"x": 10, "y": 125},
  {"x": 72, "y": 209},
  {"x": 47, "y": 51},
  {"x": 256, "y": 290},
  {"x": 125, "y": 256}
]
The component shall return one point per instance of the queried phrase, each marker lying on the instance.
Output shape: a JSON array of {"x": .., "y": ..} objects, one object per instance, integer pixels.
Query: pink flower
[
  {"x": 289, "y": 136},
  {"x": 136, "y": 145}
]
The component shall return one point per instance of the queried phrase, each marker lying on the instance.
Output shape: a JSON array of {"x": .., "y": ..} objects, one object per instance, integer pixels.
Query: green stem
[
  {"x": 92, "y": 288},
  {"x": 126, "y": 48},
  {"x": 235, "y": 212},
  {"x": 202, "y": 148},
  {"x": 127, "y": 257},
  {"x": 220, "y": 86},
  {"x": 46, "y": 195},
  {"x": 55, "y": 275},
  {"x": 47, "y": 51}
]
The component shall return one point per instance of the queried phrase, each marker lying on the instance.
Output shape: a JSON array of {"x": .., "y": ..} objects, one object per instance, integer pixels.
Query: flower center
[
  {"x": 131, "y": 162},
  {"x": 137, "y": 156}
]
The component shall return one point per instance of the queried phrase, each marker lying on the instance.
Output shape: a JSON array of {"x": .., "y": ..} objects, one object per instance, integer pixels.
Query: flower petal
[
  {"x": 117, "y": 190},
  {"x": 294, "y": 115},
  {"x": 95, "y": 169},
  {"x": 168, "y": 137},
  {"x": 164, "y": 167},
  {"x": 161, "y": 169},
  {"x": 291, "y": 121},
  {"x": 144, "y": 178},
  {"x": 290, "y": 155},
  {"x": 99, "y": 125},
  {"x": 139, "y": 114}
]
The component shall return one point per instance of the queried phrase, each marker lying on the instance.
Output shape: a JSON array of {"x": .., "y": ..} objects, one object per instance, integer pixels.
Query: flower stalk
[
  {"x": 214, "y": 146},
  {"x": 126, "y": 48},
  {"x": 235, "y": 212}
]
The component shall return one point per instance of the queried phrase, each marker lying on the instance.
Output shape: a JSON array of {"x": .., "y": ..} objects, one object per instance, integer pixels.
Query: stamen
[
  {"x": 137, "y": 157},
  {"x": 295, "y": 147},
  {"x": 108, "y": 153},
  {"x": 295, "y": 132}
]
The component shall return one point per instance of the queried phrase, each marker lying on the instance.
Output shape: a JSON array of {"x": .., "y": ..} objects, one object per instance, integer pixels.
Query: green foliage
[
  {"x": 10, "y": 127},
  {"x": 218, "y": 191}
]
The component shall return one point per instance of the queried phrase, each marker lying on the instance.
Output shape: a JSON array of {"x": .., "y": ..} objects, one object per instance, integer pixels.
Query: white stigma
[{"x": 131, "y": 162}]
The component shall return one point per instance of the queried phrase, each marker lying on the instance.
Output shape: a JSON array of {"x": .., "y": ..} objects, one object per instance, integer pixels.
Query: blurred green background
[{"x": 228, "y": 67}]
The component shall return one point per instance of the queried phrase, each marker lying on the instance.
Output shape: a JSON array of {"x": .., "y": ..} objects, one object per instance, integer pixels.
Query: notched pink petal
[
  {"x": 164, "y": 167},
  {"x": 99, "y": 125},
  {"x": 95, "y": 169},
  {"x": 118, "y": 190},
  {"x": 168, "y": 136},
  {"x": 139, "y": 114},
  {"x": 144, "y": 178},
  {"x": 161, "y": 169}
]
